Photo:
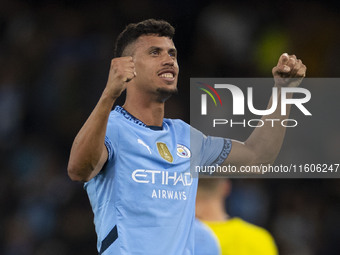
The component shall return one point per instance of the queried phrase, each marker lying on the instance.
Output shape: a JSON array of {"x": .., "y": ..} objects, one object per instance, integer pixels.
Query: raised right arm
[{"x": 88, "y": 153}]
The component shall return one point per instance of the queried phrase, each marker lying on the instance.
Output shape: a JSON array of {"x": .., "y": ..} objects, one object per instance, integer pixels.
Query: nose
[{"x": 168, "y": 60}]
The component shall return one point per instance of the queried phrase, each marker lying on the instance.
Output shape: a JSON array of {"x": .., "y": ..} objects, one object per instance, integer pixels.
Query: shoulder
[
  {"x": 177, "y": 126},
  {"x": 114, "y": 115},
  {"x": 183, "y": 129},
  {"x": 182, "y": 125},
  {"x": 119, "y": 118},
  {"x": 178, "y": 123}
]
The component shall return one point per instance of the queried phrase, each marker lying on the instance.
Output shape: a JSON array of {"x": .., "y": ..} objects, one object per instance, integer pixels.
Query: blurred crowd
[{"x": 54, "y": 58}]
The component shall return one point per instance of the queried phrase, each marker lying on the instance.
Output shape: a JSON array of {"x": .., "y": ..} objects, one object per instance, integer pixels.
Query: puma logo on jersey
[{"x": 140, "y": 141}]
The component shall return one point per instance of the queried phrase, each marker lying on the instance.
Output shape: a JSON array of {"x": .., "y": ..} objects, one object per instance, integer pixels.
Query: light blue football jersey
[
  {"x": 206, "y": 242},
  {"x": 143, "y": 199}
]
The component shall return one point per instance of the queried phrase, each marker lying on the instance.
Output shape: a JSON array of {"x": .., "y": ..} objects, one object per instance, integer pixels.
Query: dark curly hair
[{"x": 147, "y": 27}]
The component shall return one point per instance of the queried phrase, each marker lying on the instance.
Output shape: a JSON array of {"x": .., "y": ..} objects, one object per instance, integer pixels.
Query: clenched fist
[
  {"x": 289, "y": 71},
  {"x": 122, "y": 70}
]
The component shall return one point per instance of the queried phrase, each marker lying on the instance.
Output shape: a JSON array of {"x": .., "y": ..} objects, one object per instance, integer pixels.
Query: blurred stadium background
[{"x": 54, "y": 58}]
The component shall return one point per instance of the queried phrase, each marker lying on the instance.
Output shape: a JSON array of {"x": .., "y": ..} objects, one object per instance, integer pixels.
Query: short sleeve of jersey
[
  {"x": 109, "y": 147},
  {"x": 213, "y": 150},
  {"x": 112, "y": 135}
]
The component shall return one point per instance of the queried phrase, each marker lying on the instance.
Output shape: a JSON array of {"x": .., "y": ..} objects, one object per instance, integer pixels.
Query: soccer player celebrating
[{"x": 136, "y": 164}]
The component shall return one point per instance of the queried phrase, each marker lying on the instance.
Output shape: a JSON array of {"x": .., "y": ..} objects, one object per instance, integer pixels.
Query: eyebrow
[{"x": 172, "y": 50}]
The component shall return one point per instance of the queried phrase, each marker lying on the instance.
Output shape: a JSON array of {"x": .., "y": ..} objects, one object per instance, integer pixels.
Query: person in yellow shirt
[{"x": 236, "y": 236}]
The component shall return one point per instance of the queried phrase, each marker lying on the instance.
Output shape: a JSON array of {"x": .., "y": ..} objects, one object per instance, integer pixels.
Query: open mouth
[{"x": 167, "y": 75}]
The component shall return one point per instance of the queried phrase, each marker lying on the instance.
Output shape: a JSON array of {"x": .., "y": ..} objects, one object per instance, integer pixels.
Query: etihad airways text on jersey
[{"x": 162, "y": 177}]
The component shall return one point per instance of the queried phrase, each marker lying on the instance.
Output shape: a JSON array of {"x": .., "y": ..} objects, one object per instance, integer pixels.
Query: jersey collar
[{"x": 132, "y": 118}]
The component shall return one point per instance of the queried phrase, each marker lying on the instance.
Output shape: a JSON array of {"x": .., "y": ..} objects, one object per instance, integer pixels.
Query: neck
[
  {"x": 150, "y": 112},
  {"x": 210, "y": 210}
]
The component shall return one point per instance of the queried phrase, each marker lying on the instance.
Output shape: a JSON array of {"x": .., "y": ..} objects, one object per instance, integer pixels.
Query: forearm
[
  {"x": 88, "y": 152},
  {"x": 266, "y": 141},
  {"x": 88, "y": 146}
]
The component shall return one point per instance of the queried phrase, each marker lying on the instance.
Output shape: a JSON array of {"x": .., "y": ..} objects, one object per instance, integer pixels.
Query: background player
[{"x": 236, "y": 236}]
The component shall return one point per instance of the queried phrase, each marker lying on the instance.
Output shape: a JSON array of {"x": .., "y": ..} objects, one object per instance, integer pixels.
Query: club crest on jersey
[
  {"x": 183, "y": 151},
  {"x": 164, "y": 152}
]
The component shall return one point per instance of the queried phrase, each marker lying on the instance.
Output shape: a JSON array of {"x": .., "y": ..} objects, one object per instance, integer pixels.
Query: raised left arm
[{"x": 264, "y": 143}]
